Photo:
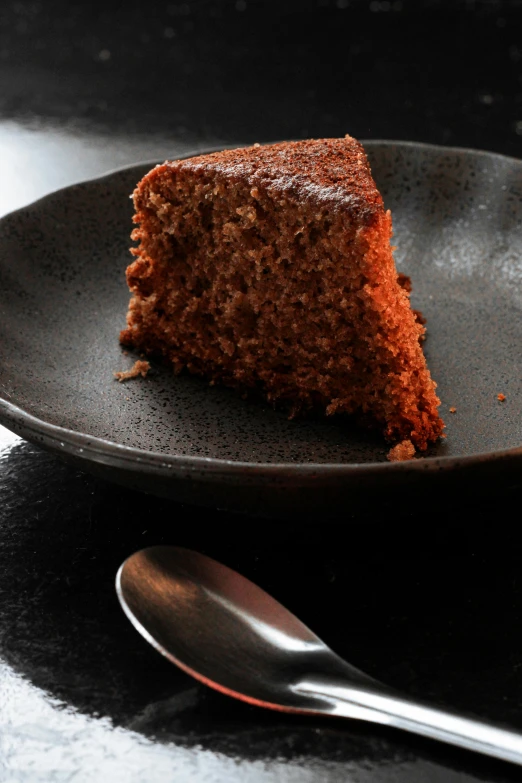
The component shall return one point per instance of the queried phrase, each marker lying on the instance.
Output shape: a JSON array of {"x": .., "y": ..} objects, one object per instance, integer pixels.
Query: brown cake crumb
[
  {"x": 452, "y": 409},
  {"x": 137, "y": 369},
  {"x": 402, "y": 451},
  {"x": 405, "y": 282},
  {"x": 501, "y": 397},
  {"x": 270, "y": 268}
]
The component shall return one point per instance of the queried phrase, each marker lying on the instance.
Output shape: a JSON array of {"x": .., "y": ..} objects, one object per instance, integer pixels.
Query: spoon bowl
[
  {"x": 223, "y": 629},
  {"x": 228, "y": 633}
]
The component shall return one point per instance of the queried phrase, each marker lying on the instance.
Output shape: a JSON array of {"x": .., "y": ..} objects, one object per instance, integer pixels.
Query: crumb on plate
[
  {"x": 453, "y": 409},
  {"x": 501, "y": 397},
  {"x": 402, "y": 451},
  {"x": 138, "y": 368}
]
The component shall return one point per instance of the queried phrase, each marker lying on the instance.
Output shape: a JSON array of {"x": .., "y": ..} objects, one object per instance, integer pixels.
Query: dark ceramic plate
[{"x": 458, "y": 227}]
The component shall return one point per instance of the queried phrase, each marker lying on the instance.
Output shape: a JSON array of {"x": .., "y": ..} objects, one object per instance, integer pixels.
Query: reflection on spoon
[{"x": 228, "y": 633}]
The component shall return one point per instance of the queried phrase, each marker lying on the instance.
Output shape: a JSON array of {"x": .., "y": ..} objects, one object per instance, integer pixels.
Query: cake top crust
[{"x": 332, "y": 173}]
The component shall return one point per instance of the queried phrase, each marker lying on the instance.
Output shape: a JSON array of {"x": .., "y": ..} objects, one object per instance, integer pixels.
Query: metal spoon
[{"x": 231, "y": 635}]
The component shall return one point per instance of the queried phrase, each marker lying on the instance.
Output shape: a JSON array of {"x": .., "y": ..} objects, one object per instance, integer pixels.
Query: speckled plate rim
[{"x": 106, "y": 452}]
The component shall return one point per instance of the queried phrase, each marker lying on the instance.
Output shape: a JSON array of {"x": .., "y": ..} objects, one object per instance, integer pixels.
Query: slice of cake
[{"x": 270, "y": 268}]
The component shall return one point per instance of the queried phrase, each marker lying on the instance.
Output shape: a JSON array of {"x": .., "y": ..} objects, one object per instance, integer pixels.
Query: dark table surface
[{"x": 429, "y": 601}]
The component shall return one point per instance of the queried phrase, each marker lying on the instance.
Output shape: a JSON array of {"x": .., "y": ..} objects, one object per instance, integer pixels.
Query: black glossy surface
[
  {"x": 436, "y": 612},
  {"x": 438, "y": 606}
]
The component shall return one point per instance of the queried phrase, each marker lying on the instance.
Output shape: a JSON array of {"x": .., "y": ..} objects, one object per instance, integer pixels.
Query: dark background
[
  {"x": 426, "y": 70},
  {"x": 427, "y": 601}
]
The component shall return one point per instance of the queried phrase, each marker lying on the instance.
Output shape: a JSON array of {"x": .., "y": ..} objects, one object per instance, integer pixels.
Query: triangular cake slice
[{"x": 270, "y": 267}]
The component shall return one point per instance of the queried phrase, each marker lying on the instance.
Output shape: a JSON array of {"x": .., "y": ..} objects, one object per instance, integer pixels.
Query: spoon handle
[{"x": 401, "y": 712}]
